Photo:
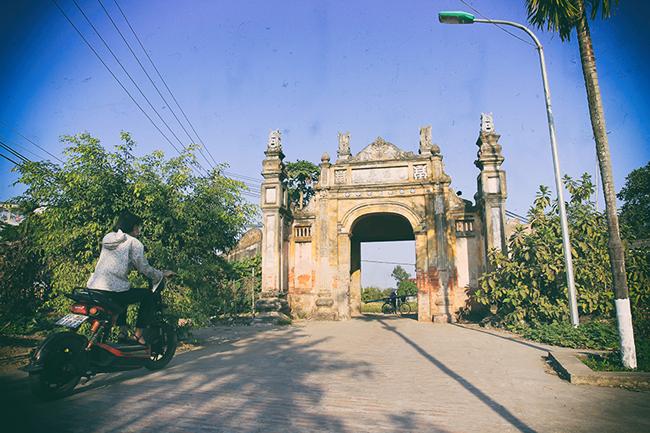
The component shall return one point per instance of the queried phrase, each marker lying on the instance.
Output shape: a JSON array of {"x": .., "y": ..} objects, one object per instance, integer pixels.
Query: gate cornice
[{"x": 394, "y": 207}]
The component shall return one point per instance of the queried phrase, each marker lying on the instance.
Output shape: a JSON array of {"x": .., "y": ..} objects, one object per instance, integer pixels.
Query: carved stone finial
[
  {"x": 487, "y": 123},
  {"x": 344, "y": 145},
  {"x": 275, "y": 141},
  {"x": 425, "y": 140},
  {"x": 325, "y": 158}
]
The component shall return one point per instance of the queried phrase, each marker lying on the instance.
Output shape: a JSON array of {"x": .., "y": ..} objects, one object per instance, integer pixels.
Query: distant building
[
  {"x": 9, "y": 214},
  {"x": 250, "y": 245}
]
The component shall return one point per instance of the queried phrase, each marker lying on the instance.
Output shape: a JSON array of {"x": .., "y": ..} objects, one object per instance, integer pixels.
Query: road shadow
[
  {"x": 499, "y": 409},
  {"x": 259, "y": 382},
  {"x": 376, "y": 316},
  {"x": 503, "y": 337}
]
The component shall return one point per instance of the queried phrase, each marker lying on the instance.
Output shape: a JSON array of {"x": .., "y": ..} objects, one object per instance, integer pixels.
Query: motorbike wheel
[
  {"x": 163, "y": 347},
  {"x": 62, "y": 369},
  {"x": 387, "y": 308}
]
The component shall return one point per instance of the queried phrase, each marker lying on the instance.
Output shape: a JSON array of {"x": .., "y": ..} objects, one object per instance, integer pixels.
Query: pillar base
[
  {"x": 272, "y": 308},
  {"x": 444, "y": 318}
]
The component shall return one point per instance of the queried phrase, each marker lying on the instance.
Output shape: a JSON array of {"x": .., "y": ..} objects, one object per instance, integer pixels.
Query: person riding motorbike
[{"x": 121, "y": 252}]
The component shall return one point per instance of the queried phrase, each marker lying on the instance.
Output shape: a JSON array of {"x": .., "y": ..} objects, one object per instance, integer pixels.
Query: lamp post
[{"x": 456, "y": 17}]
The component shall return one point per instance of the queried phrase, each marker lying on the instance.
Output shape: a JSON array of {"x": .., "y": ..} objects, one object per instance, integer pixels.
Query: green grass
[
  {"x": 597, "y": 335},
  {"x": 612, "y": 361},
  {"x": 375, "y": 307}
]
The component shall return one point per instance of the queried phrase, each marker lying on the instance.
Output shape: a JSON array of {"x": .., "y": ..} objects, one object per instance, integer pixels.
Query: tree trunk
[{"x": 616, "y": 253}]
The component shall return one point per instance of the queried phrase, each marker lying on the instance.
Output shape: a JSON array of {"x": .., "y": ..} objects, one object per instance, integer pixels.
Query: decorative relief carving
[
  {"x": 379, "y": 175},
  {"x": 381, "y": 150},
  {"x": 425, "y": 140},
  {"x": 275, "y": 141},
  {"x": 487, "y": 123},
  {"x": 344, "y": 145},
  {"x": 420, "y": 171},
  {"x": 465, "y": 228},
  {"x": 340, "y": 176}
]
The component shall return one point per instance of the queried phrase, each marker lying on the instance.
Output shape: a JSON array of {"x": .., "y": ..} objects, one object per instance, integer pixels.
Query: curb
[{"x": 569, "y": 367}]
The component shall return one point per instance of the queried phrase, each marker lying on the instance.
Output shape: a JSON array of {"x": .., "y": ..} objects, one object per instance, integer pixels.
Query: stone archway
[
  {"x": 373, "y": 227},
  {"x": 310, "y": 255}
]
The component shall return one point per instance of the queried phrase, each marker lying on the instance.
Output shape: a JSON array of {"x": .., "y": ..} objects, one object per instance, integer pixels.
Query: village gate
[{"x": 311, "y": 264}]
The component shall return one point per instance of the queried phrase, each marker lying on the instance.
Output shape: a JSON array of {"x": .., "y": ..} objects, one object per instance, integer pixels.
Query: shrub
[
  {"x": 528, "y": 285},
  {"x": 188, "y": 220}
]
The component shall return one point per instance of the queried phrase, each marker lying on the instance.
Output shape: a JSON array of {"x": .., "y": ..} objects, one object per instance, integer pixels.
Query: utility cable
[
  {"x": 500, "y": 27},
  {"x": 114, "y": 76},
  {"x": 388, "y": 263},
  {"x": 32, "y": 142},
  {"x": 10, "y": 160},
  {"x": 163, "y": 80},
  {"x": 137, "y": 59},
  {"x": 131, "y": 78},
  {"x": 14, "y": 152}
]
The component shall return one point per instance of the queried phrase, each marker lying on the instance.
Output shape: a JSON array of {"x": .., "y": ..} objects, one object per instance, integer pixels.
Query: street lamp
[{"x": 459, "y": 17}]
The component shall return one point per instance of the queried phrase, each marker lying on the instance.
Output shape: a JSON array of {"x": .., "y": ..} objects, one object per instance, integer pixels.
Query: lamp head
[{"x": 455, "y": 17}]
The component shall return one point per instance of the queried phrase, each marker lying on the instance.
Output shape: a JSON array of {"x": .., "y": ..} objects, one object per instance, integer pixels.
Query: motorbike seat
[{"x": 94, "y": 297}]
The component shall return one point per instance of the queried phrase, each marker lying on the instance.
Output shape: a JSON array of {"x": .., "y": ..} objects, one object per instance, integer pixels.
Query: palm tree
[{"x": 563, "y": 16}]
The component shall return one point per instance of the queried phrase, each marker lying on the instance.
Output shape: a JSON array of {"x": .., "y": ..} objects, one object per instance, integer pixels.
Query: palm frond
[
  {"x": 554, "y": 15},
  {"x": 562, "y": 15}
]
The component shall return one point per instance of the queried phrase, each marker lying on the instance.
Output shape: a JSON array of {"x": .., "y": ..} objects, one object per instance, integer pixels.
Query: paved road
[{"x": 372, "y": 374}]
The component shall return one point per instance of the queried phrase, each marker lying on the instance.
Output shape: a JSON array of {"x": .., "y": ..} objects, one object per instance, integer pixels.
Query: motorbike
[{"x": 59, "y": 363}]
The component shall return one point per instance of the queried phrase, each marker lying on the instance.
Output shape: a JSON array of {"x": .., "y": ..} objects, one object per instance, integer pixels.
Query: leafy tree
[
  {"x": 407, "y": 288},
  {"x": 371, "y": 293},
  {"x": 188, "y": 221},
  {"x": 563, "y": 16},
  {"x": 528, "y": 284},
  {"x": 635, "y": 212},
  {"x": 301, "y": 176},
  {"x": 400, "y": 274}
]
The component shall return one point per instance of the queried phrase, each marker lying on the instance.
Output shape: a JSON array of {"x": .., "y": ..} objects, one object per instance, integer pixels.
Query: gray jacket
[{"x": 120, "y": 254}]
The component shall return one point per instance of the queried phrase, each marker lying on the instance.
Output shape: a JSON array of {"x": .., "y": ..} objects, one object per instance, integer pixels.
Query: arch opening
[
  {"x": 381, "y": 227},
  {"x": 382, "y": 238}
]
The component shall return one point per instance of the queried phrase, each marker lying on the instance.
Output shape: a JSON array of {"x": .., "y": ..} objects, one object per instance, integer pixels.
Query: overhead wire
[
  {"x": 121, "y": 84},
  {"x": 115, "y": 77},
  {"x": 24, "y": 159},
  {"x": 151, "y": 80},
  {"x": 132, "y": 80},
  {"x": 163, "y": 80},
  {"x": 388, "y": 263},
  {"x": 10, "y": 160},
  {"x": 32, "y": 142},
  {"x": 496, "y": 24},
  {"x": 14, "y": 152}
]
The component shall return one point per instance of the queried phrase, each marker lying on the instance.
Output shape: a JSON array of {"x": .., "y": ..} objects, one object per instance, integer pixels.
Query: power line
[
  {"x": 517, "y": 216},
  {"x": 129, "y": 93},
  {"x": 14, "y": 152},
  {"x": 163, "y": 80},
  {"x": 151, "y": 80},
  {"x": 500, "y": 27},
  {"x": 32, "y": 142},
  {"x": 114, "y": 76},
  {"x": 388, "y": 263},
  {"x": 252, "y": 179},
  {"x": 9, "y": 159},
  {"x": 131, "y": 78}
]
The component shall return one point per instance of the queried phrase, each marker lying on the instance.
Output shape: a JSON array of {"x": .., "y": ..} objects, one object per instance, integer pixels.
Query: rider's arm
[{"x": 140, "y": 262}]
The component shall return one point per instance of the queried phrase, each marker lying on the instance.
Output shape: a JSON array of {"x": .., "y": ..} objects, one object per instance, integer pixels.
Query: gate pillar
[{"x": 276, "y": 219}]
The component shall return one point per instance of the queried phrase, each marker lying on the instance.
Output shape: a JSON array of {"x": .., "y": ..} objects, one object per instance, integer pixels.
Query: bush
[
  {"x": 528, "y": 285},
  {"x": 188, "y": 221},
  {"x": 598, "y": 335}
]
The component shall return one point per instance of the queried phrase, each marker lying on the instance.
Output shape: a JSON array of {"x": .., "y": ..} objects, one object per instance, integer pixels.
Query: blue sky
[{"x": 313, "y": 68}]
